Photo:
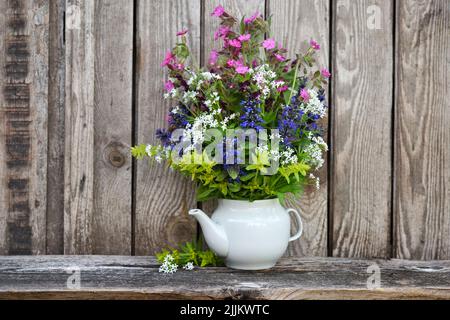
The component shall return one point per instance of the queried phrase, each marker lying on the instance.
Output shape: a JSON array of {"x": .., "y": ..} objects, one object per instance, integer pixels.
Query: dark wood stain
[{"x": 16, "y": 92}]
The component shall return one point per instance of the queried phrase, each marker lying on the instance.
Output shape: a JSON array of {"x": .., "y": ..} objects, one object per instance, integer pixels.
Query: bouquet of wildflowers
[{"x": 246, "y": 126}]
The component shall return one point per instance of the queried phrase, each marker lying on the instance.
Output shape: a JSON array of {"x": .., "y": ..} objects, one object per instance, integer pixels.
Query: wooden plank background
[{"x": 81, "y": 82}]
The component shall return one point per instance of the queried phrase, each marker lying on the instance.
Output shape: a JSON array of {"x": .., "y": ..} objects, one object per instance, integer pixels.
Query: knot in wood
[{"x": 116, "y": 158}]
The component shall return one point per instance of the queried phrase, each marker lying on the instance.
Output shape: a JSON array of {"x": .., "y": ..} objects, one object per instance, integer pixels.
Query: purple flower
[
  {"x": 252, "y": 18},
  {"x": 325, "y": 73},
  {"x": 251, "y": 117},
  {"x": 213, "y": 57},
  {"x": 183, "y": 32},
  {"x": 235, "y": 43},
  {"x": 218, "y": 11},
  {"x": 178, "y": 119},
  {"x": 242, "y": 69},
  {"x": 222, "y": 32},
  {"x": 289, "y": 123},
  {"x": 168, "y": 59},
  {"x": 282, "y": 89},
  {"x": 279, "y": 57},
  {"x": 169, "y": 86},
  {"x": 232, "y": 63},
  {"x": 164, "y": 136},
  {"x": 245, "y": 37},
  {"x": 305, "y": 95},
  {"x": 269, "y": 44},
  {"x": 314, "y": 45}
]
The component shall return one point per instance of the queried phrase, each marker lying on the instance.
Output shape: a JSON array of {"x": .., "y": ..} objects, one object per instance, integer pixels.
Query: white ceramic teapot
[{"x": 249, "y": 235}]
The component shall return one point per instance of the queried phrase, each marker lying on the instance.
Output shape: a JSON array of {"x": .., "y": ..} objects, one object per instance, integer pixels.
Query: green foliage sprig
[{"x": 191, "y": 252}]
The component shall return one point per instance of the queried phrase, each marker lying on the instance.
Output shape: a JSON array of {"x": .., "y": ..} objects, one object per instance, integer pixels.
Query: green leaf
[{"x": 139, "y": 151}]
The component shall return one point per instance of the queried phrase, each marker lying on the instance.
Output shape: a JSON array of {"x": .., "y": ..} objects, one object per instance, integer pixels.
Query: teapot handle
[{"x": 300, "y": 224}]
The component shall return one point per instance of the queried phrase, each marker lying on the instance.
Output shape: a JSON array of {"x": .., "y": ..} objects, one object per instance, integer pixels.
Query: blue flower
[
  {"x": 164, "y": 136},
  {"x": 251, "y": 117},
  {"x": 289, "y": 123},
  {"x": 178, "y": 119},
  {"x": 321, "y": 95}
]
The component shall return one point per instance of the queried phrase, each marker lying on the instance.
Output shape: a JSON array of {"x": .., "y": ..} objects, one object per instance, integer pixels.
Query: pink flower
[
  {"x": 214, "y": 55},
  {"x": 232, "y": 63},
  {"x": 169, "y": 86},
  {"x": 314, "y": 45},
  {"x": 252, "y": 18},
  {"x": 325, "y": 73},
  {"x": 269, "y": 44},
  {"x": 282, "y": 89},
  {"x": 183, "y": 32},
  {"x": 242, "y": 69},
  {"x": 168, "y": 59},
  {"x": 305, "y": 95},
  {"x": 245, "y": 37},
  {"x": 235, "y": 43},
  {"x": 179, "y": 66},
  {"x": 222, "y": 32},
  {"x": 279, "y": 57},
  {"x": 218, "y": 11}
]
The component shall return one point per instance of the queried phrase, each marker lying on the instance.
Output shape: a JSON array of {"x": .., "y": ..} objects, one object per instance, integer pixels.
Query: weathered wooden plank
[
  {"x": 362, "y": 104},
  {"x": 55, "y": 168},
  {"x": 106, "y": 277},
  {"x": 422, "y": 166},
  {"x": 23, "y": 117},
  {"x": 294, "y": 23},
  {"x": 113, "y": 126},
  {"x": 79, "y": 127},
  {"x": 3, "y": 169},
  {"x": 163, "y": 198},
  {"x": 98, "y": 127}
]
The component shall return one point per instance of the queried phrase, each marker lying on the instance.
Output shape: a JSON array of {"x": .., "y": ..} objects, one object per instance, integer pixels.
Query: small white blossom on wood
[{"x": 189, "y": 266}]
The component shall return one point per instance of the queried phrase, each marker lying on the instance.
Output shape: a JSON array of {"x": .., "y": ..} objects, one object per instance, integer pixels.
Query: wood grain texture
[
  {"x": 422, "y": 166},
  {"x": 294, "y": 23},
  {"x": 109, "y": 277},
  {"x": 55, "y": 166},
  {"x": 163, "y": 198},
  {"x": 113, "y": 127},
  {"x": 98, "y": 128},
  {"x": 3, "y": 172},
  {"x": 362, "y": 95},
  {"x": 23, "y": 118},
  {"x": 79, "y": 131}
]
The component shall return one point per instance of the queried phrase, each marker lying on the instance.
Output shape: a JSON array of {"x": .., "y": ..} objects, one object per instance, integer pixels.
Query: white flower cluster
[
  {"x": 288, "y": 157},
  {"x": 316, "y": 180},
  {"x": 214, "y": 100},
  {"x": 320, "y": 142},
  {"x": 197, "y": 79},
  {"x": 314, "y": 151},
  {"x": 227, "y": 119},
  {"x": 189, "y": 97},
  {"x": 174, "y": 93},
  {"x": 195, "y": 133},
  {"x": 314, "y": 105},
  {"x": 264, "y": 78},
  {"x": 169, "y": 265}
]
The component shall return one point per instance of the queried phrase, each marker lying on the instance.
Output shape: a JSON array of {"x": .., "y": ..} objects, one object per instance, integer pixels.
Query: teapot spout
[{"x": 215, "y": 235}]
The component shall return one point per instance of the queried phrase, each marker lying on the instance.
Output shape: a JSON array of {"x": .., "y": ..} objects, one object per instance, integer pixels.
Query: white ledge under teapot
[{"x": 249, "y": 235}]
